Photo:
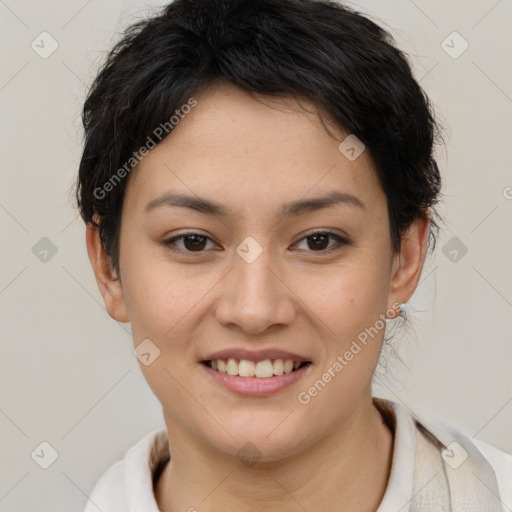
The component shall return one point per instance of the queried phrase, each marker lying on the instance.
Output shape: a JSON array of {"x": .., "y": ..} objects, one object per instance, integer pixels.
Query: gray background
[{"x": 68, "y": 373}]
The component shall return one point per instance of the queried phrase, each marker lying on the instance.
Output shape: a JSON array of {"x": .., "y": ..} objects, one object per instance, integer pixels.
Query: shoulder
[
  {"x": 498, "y": 462},
  {"x": 436, "y": 442},
  {"x": 128, "y": 484},
  {"x": 108, "y": 493},
  {"x": 501, "y": 463}
]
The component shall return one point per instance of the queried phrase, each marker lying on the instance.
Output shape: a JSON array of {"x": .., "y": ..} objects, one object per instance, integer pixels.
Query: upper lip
[{"x": 255, "y": 355}]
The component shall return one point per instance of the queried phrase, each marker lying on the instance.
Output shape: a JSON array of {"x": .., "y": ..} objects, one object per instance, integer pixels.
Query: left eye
[
  {"x": 319, "y": 241},
  {"x": 195, "y": 242}
]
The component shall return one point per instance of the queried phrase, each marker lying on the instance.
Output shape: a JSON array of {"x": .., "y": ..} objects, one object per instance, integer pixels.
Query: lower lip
[{"x": 253, "y": 386}]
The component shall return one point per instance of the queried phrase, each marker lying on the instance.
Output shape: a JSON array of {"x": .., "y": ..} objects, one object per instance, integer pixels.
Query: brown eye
[
  {"x": 320, "y": 241},
  {"x": 192, "y": 242},
  {"x": 196, "y": 243}
]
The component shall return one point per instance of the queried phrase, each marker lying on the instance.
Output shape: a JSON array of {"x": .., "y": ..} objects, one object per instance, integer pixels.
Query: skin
[{"x": 253, "y": 156}]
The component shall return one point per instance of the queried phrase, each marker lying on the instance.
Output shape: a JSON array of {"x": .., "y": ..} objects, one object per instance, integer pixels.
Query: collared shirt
[{"x": 128, "y": 485}]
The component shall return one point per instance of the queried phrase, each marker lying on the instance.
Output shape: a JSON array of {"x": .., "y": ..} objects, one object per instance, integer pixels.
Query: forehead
[{"x": 242, "y": 150}]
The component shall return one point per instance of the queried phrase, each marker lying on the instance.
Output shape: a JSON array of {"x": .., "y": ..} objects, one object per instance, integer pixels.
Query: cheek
[
  {"x": 160, "y": 305},
  {"x": 349, "y": 297},
  {"x": 351, "y": 307},
  {"x": 157, "y": 293}
]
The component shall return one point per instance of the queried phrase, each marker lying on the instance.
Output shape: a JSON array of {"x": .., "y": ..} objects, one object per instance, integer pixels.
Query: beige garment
[
  {"x": 450, "y": 473},
  {"x": 420, "y": 479}
]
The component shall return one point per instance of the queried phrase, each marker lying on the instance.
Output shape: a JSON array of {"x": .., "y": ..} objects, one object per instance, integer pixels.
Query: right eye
[{"x": 192, "y": 242}]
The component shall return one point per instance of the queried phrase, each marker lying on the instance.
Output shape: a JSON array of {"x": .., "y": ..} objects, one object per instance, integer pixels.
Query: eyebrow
[{"x": 299, "y": 207}]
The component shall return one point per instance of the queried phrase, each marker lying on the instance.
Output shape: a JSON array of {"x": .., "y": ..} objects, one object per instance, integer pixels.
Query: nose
[{"x": 255, "y": 297}]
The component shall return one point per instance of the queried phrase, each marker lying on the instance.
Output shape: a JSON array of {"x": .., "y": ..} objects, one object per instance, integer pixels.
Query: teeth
[
  {"x": 246, "y": 368},
  {"x": 232, "y": 367},
  {"x": 278, "y": 367},
  {"x": 260, "y": 370},
  {"x": 221, "y": 365},
  {"x": 288, "y": 366},
  {"x": 264, "y": 369}
]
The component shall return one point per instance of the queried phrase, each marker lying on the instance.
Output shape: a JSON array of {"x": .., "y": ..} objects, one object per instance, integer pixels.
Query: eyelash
[{"x": 341, "y": 242}]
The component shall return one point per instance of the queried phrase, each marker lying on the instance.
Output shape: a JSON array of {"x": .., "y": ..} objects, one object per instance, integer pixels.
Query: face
[{"x": 282, "y": 252}]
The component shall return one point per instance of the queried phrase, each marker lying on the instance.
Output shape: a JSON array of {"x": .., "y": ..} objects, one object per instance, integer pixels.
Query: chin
[{"x": 267, "y": 440}]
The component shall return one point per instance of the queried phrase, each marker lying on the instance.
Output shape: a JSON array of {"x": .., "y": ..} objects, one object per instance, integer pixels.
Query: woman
[{"x": 259, "y": 190}]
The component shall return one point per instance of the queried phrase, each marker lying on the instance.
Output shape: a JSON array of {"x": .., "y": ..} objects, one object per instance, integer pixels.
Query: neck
[{"x": 350, "y": 466}]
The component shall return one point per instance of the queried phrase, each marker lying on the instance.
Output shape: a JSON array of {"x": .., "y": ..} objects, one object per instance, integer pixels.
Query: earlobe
[
  {"x": 106, "y": 277},
  {"x": 408, "y": 264}
]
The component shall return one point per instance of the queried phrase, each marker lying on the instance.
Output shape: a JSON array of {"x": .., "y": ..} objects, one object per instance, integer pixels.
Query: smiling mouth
[{"x": 252, "y": 369}]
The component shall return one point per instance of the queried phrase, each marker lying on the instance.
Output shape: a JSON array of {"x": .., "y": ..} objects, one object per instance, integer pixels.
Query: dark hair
[{"x": 320, "y": 50}]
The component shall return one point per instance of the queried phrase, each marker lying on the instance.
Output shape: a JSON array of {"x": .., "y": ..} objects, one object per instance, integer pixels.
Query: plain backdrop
[{"x": 68, "y": 374}]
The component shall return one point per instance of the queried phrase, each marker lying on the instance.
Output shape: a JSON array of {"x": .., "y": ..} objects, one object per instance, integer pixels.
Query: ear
[
  {"x": 106, "y": 278},
  {"x": 408, "y": 264}
]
